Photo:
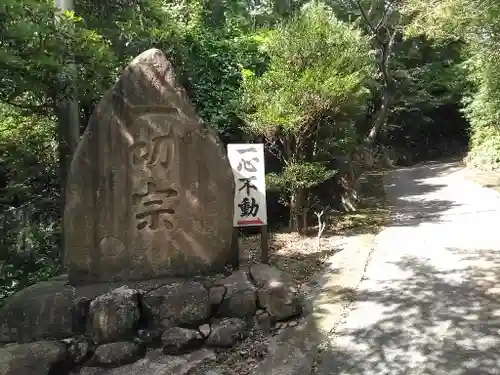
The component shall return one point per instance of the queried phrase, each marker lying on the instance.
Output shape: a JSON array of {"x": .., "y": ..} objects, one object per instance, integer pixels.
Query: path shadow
[
  {"x": 411, "y": 192},
  {"x": 429, "y": 322}
]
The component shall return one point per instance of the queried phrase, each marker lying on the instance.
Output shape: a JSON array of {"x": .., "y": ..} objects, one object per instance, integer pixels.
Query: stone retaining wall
[{"x": 148, "y": 328}]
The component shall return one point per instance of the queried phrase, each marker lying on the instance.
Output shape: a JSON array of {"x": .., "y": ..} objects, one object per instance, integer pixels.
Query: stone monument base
[{"x": 148, "y": 328}]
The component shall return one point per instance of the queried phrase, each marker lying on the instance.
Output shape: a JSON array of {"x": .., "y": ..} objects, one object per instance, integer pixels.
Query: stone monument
[{"x": 150, "y": 189}]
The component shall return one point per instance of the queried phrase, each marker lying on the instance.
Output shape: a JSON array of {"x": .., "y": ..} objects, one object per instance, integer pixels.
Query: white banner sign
[{"x": 247, "y": 162}]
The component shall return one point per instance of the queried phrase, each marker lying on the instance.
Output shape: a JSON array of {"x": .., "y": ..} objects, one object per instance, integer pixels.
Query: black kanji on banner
[{"x": 248, "y": 206}]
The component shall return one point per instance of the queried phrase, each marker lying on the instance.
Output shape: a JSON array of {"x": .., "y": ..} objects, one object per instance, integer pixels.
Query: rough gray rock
[
  {"x": 114, "y": 316},
  {"x": 80, "y": 314},
  {"x": 240, "y": 299},
  {"x": 148, "y": 186},
  {"x": 226, "y": 333},
  {"x": 116, "y": 354},
  {"x": 174, "y": 316},
  {"x": 37, "y": 358},
  {"x": 178, "y": 340},
  {"x": 41, "y": 311},
  {"x": 156, "y": 363},
  {"x": 179, "y": 303},
  {"x": 78, "y": 348},
  {"x": 263, "y": 320},
  {"x": 277, "y": 292},
  {"x": 205, "y": 330},
  {"x": 149, "y": 336},
  {"x": 216, "y": 296},
  {"x": 88, "y": 371}
]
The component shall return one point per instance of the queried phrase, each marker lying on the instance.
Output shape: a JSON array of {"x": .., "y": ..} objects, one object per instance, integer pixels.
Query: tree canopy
[{"x": 476, "y": 25}]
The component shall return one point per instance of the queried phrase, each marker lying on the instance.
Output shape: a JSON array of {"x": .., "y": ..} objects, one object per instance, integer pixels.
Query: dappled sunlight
[
  {"x": 432, "y": 321},
  {"x": 297, "y": 255},
  {"x": 422, "y": 194},
  {"x": 429, "y": 304}
]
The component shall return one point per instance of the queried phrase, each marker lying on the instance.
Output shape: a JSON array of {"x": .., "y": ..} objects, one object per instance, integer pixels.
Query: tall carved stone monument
[{"x": 150, "y": 189}]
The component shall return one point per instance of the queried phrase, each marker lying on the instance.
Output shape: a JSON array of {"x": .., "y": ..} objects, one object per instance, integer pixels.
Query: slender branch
[
  {"x": 373, "y": 29},
  {"x": 381, "y": 21},
  {"x": 273, "y": 148},
  {"x": 321, "y": 227},
  {"x": 364, "y": 15}
]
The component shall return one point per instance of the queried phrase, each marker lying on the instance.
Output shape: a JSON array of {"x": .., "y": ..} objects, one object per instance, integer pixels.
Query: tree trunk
[
  {"x": 293, "y": 222},
  {"x": 305, "y": 226},
  {"x": 384, "y": 38},
  {"x": 304, "y": 210},
  {"x": 380, "y": 120},
  {"x": 298, "y": 211},
  {"x": 68, "y": 135},
  {"x": 68, "y": 121}
]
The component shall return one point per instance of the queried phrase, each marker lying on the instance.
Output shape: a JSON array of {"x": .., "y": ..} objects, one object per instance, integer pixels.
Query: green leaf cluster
[
  {"x": 317, "y": 64},
  {"x": 477, "y": 25},
  {"x": 299, "y": 176}
]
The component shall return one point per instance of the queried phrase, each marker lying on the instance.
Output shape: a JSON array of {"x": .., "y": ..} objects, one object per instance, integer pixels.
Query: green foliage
[
  {"x": 429, "y": 84},
  {"x": 476, "y": 23},
  {"x": 28, "y": 154},
  {"x": 298, "y": 176},
  {"x": 29, "y": 203},
  {"x": 426, "y": 74},
  {"x": 305, "y": 103},
  {"x": 483, "y": 111},
  {"x": 469, "y": 20},
  {"x": 212, "y": 77},
  {"x": 35, "y": 49},
  {"x": 36, "y": 45},
  {"x": 317, "y": 63}
]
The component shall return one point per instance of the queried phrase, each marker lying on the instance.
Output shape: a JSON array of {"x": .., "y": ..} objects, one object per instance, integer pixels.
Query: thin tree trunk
[
  {"x": 304, "y": 210},
  {"x": 296, "y": 207},
  {"x": 386, "y": 47},
  {"x": 383, "y": 111},
  {"x": 292, "y": 222},
  {"x": 380, "y": 120},
  {"x": 321, "y": 228},
  {"x": 68, "y": 123},
  {"x": 68, "y": 135},
  {"x": 305, "y": 226}
]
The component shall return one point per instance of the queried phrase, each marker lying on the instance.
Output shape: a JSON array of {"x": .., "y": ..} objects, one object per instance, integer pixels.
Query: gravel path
[{"x": 429, "y": 303}]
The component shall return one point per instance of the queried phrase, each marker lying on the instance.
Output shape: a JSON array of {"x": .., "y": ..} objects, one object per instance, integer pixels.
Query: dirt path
[{"x": 429, "y": 303}]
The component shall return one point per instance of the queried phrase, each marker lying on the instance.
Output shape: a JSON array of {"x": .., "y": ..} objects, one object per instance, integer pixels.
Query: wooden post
[
  {"x": 235, "y": 249},
  {"x": 264, "y": 245}
]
